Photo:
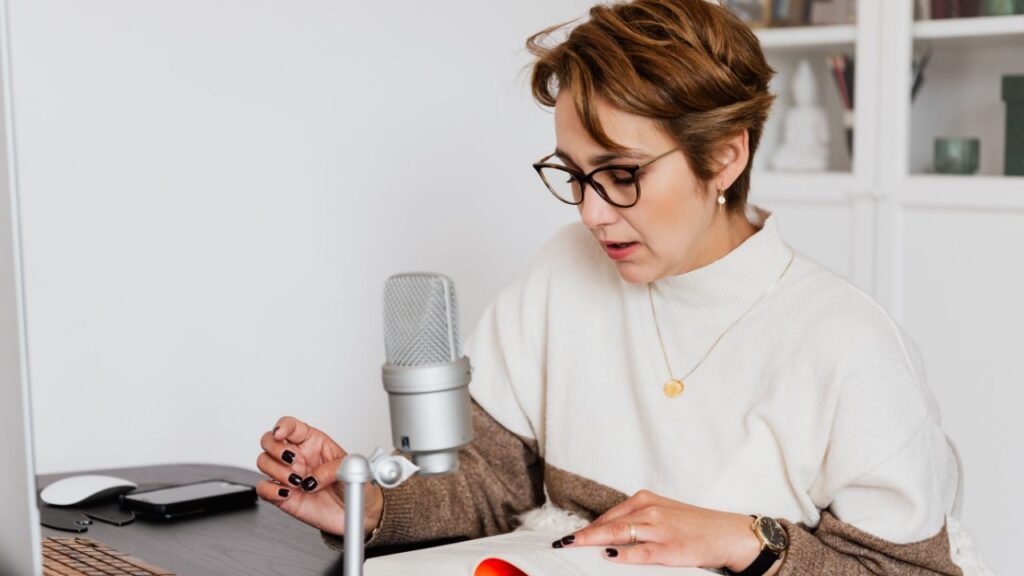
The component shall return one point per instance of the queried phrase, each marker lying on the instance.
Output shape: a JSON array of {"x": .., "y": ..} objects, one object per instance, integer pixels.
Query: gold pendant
[{"x": 673, "y": 388}]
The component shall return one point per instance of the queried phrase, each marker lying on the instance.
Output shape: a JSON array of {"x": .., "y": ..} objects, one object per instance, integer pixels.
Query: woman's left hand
[{"x": 670, "y": 533}]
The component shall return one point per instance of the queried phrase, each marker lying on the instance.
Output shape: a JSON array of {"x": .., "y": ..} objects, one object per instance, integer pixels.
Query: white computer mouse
[{"x": 75, "y": 490}]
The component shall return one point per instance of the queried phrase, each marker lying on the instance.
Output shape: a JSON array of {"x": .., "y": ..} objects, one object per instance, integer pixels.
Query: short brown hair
[{"x": 690, "y": 64}]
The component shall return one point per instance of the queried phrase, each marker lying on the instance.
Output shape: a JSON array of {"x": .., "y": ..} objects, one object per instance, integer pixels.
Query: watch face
[{"x": 774, "y": 534}]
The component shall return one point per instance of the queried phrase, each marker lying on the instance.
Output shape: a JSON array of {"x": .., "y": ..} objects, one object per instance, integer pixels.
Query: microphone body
[
  {"x": 425, "y": 376},
  {"x": 427, "y": 381}
]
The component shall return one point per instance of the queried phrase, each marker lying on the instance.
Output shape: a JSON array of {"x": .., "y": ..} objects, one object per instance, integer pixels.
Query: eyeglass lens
[{"x": 615, "y": 185}]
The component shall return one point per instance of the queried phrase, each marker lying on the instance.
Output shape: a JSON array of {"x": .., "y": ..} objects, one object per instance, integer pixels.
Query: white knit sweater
[{"x": 814, "y": 400}]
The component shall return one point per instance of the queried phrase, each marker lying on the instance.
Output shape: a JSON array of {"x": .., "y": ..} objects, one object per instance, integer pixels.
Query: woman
[{"x": 672, "y": 346}]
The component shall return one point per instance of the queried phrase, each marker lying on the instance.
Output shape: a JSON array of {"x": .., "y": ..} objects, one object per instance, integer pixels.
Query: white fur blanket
[{"x": 962, "y": 547}]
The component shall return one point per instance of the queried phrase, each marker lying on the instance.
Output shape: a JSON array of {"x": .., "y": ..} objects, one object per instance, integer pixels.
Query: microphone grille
[{"x": 420, "y": 320}]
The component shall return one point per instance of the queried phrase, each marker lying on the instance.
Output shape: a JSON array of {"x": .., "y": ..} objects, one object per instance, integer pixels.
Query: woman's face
[{"x": 667, "y": 231}]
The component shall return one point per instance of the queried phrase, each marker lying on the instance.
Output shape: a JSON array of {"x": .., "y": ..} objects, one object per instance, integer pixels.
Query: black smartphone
[{"x": 189, "y": 499}]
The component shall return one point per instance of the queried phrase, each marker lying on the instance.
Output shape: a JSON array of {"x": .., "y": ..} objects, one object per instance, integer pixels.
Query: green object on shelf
[
  {"x": 1013, "y": 94},
  {"x": 957, "y": 155},
  {"x": 1003, "y": 7}
]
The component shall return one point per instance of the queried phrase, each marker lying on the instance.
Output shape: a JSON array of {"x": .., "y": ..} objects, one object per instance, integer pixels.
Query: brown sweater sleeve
[
  {"x": 500, "y": 475},
  {"x": 839, "y": 549}
]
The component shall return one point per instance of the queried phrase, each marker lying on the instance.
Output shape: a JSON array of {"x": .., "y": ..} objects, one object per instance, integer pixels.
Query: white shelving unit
[
  {"x": 966, "y": 192},
  {"x": 944, "y": 254},
  {"x": 807, "y": 37},
  {"x": 827, "y": 187},
  {"x": 813, "y": 203},
  {"x": 983, "y": 28}
]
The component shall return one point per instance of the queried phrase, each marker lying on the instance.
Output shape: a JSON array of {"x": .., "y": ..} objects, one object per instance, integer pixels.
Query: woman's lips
[{"x": 620, "y": 250}]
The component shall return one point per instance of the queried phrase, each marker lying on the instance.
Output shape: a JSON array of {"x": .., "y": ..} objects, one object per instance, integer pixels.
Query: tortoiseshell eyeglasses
[{"x": 617, "y": 184}]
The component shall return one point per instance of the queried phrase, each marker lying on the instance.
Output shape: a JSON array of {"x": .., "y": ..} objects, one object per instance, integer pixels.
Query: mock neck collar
[{"x": 728, "y": 286}]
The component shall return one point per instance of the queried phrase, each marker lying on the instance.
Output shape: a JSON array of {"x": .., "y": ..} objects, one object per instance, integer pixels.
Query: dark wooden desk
[{"x": 253, "y": 542}]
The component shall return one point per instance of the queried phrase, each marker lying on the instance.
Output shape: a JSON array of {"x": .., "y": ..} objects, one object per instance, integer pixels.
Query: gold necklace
[{"x": 675, "y": 386}]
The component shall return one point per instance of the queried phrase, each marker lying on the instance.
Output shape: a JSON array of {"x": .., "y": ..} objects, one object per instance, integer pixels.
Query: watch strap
[{"x": 760, "y": 565}]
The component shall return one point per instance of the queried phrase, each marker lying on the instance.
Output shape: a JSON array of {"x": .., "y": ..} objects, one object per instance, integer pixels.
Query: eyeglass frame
[{"x": 588, "y": 178}]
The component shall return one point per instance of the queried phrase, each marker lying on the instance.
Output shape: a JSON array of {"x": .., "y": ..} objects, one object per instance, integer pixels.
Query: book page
[{"x": 529, "y": 551}]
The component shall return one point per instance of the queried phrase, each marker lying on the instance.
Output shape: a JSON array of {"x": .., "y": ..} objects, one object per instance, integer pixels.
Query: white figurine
[{"x": 805, "y": 133}]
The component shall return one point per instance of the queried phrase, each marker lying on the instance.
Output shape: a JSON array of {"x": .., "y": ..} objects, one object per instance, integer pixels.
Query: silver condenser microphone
[{"x": 425, "y": 375}]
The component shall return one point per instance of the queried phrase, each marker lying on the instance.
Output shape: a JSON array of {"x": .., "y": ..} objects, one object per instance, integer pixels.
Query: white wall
[{"x": 214, "y": 193}]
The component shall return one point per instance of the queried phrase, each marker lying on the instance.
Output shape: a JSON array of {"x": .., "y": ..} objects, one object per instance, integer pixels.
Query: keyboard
[{"x": 85, "y": 557}]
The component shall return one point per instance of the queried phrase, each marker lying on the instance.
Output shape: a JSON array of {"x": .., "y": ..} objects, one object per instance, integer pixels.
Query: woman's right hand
[{"x": 302, "y": 462}]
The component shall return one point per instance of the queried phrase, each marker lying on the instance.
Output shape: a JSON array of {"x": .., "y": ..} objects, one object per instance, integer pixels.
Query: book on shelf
[
  {"x": 843, "y": 73},
  {"x": 940, "y": 9},
  {"x": 759, "y": 13},
  {"x": 790, "y": 12},
  {"x": 831, "y": 12},
  {"x": 522, "y": 553},
  {"x": 756, "y": 13}
]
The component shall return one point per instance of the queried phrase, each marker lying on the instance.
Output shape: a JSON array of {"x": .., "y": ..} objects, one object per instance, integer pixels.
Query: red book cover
[
  {"x": 968, "y": 8},
  {"x": 941, "y": 9}
]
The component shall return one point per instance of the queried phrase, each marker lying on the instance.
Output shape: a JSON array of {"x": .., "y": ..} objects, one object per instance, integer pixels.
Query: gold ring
[{"x": 632, "y": 534}]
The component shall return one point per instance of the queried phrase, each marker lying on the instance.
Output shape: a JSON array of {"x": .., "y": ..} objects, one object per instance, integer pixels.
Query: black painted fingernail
[
  {"x": 283, "y": 492},
  {"x": 295, "y": 479},
  {"x": 568, "y": 539},
  {"x": 309, "y": 484},
  {"x": 288, "y": 456},
  {"x": 611, "y": 552},
  {"x": 556, "y": 544}
]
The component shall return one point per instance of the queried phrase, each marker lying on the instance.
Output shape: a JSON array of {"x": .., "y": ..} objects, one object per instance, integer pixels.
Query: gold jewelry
[
  {"x": 632, "y": 534},
  {"x": 673, "y": 387},
  {"x": 721, "y": 199}
]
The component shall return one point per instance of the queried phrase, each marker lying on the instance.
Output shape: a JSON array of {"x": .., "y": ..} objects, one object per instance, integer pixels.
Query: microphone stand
[{"x": 355, "y": 472}]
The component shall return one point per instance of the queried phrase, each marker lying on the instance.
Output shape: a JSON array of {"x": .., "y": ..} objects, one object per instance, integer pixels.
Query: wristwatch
[{"x": 774, "y": 542}]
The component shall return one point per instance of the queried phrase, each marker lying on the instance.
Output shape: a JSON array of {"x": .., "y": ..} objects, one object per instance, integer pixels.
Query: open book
[{"x": 522, "y": 553}]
